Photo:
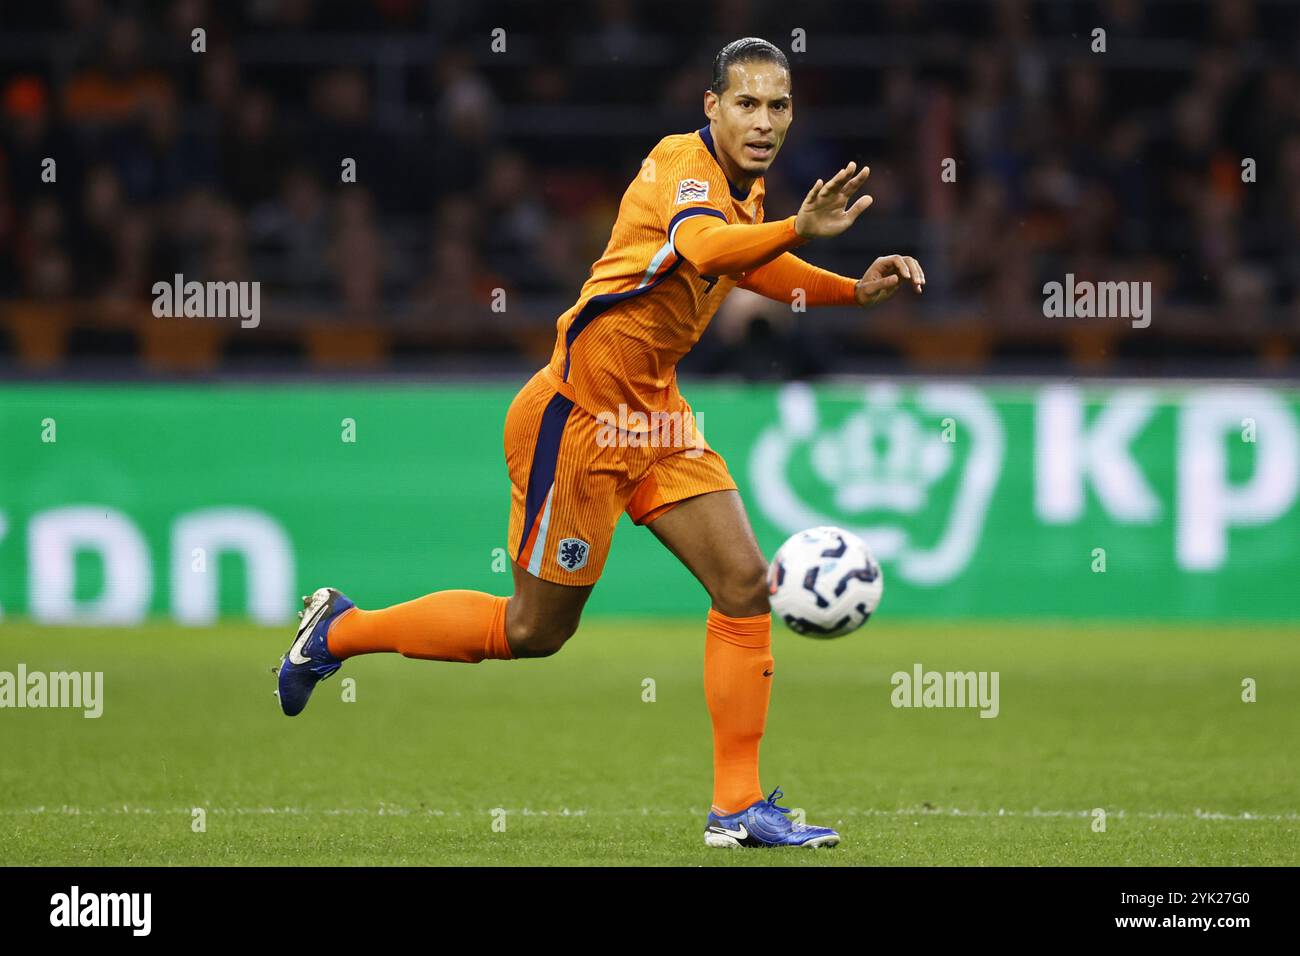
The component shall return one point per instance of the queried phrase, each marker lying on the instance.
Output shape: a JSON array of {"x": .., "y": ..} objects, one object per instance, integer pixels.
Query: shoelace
[
  {"x": 772, "y": 798},
  {"x": 771, "y": 802}
]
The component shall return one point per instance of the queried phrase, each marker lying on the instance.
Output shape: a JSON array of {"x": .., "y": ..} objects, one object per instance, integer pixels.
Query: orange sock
[
  {"x": 737, "y": 684},
  {"x": 466, "y": 626}
]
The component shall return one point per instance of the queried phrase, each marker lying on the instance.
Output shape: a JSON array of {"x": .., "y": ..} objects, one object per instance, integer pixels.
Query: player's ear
[{"x": 710, "y": 104}]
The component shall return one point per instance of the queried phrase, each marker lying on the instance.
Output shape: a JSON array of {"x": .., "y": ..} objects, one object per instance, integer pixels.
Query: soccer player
[{"x": 690, "y": 228}]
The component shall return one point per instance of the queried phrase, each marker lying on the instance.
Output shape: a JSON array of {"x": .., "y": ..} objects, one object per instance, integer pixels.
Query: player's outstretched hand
[
  {"x": 825, "y": 210},
  {"x": 886, "y": 276}
]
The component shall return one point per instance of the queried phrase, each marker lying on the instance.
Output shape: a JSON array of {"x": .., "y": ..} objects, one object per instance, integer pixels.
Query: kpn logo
[{"x": 912, "y": 470}]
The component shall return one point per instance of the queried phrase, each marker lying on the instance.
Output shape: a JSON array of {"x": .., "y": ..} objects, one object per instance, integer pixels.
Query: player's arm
[
  {"x": 826, "y": 212},
  {"x": 719, "y": 248},
  {"x": 779, "y": 278},
  {"x": 783, "y": 275},
  {"x": 702, "y": 236}
]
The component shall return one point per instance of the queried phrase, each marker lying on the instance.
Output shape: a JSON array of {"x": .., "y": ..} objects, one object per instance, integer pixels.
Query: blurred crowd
[{"x": 228, "y": 163}]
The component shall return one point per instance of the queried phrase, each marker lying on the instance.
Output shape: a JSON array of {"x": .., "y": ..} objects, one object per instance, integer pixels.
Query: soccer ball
[{"x": 824, "y": 582}]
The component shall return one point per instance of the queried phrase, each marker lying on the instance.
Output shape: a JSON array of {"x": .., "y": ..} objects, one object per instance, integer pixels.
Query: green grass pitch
[{"x": 1144, "y": 721}]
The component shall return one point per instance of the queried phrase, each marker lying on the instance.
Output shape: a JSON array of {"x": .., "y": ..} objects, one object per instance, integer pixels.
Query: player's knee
[
  {"x": 743, "y": 592},
  {"x": 537, "y": 638}
]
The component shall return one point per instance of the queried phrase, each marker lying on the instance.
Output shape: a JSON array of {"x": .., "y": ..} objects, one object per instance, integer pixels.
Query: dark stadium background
[{"x": 479, "y": 170}]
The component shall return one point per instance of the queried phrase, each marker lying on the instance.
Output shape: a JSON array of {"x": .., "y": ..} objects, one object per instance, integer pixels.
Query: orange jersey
[{"x": 643, "y": 307}]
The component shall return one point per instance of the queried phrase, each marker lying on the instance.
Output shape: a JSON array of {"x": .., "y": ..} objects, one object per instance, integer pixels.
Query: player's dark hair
[{"x": 747, "y": 50}]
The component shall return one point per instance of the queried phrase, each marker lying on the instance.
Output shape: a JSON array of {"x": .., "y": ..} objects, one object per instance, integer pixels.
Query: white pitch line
[{"x": 395, "y": 811}]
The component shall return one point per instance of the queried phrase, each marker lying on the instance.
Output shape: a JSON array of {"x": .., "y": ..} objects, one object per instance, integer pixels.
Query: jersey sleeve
[
  {"x": 728, "y": 249},
  {"x": 779, "y": 278},
  {"x": 690, "y": 184}
]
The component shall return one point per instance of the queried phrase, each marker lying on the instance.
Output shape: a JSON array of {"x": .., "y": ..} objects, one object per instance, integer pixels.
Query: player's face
[{"x": 752, "y": 116}]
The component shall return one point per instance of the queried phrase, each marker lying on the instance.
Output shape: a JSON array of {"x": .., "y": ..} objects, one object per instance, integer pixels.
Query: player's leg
[
  {"x": 454, "y": 625},
  {"x": 467, "y": 626},
  {"x": 542, "y": 615},
  {"x": 710, "y": 534},
  {"x": 565, "y": 498},
  {"x": 734, "y": 575},
  {"x": 548, "y": 455}
]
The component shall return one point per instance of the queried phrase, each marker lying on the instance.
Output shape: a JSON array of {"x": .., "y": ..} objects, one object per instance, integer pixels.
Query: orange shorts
[{"x": 572, "y": 475}]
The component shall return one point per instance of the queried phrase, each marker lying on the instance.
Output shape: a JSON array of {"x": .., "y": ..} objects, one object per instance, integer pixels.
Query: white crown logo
[
  {"x": 881, "y": 457},
  {"x": 885, "y": 457}
]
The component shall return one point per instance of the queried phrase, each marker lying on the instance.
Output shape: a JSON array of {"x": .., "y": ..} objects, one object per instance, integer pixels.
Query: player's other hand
[
  {"x": 886, "y": 276},
  {"x": 826, "y": 210}
]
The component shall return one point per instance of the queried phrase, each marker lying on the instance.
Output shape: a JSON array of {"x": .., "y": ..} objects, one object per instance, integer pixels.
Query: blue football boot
[
  {"x": 763, "y": 823},
  {"x": 309, "y": 659}
]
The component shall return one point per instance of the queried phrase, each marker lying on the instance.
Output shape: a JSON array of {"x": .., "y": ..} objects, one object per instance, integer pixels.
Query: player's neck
[{"x": 740, "y": 182}]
